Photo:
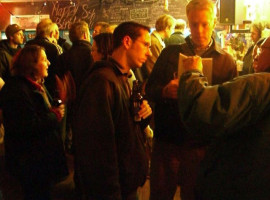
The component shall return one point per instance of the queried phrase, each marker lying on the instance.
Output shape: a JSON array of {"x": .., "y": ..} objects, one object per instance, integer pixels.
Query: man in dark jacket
[
  {"x": 8, "y": 48},
  {"x": 175, "y": 158},
  {"x": 234, "y": 116},
  {"x": 78, "y": 59},
  {"x": 109, "y": 145}
]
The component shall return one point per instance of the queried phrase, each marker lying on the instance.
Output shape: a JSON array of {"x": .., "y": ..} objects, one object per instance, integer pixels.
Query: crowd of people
[{"x": 211, "y": 140}]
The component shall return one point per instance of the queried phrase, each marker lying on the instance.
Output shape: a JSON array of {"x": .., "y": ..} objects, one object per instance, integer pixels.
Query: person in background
[
  {"x": 256, "y": 34},
  {"x": 102, "y": 46},
  {"x": 60, "y": 41},
  {"x": 235, "y": 118},
  {"x": 176, "y": 157},
  {"x": 178, "y": 36},
  {"x": 100, "y": 27},
  {"x": 261, "y": 56},
  {"x": 45, "y": 37},
  {"x": 164, "y": 28},
  {"x": 78, "y": 59},
  {"x": 108, "y": 143},
  {"x": 9, "y": 47},
  {"x": 111, "y": 28},
  {"x": 71, "y": 68},
  {"x": 34, "y": 151}
]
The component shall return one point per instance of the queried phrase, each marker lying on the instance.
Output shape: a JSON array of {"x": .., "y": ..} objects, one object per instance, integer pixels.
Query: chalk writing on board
[
  {"x": 67, "y": 15},
  {"x": 140, "y": 13}
]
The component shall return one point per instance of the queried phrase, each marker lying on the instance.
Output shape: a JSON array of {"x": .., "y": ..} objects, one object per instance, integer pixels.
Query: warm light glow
[{"x": 257, "y": 10}]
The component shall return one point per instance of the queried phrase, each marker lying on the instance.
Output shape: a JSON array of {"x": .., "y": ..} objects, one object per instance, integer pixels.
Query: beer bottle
[{"x": 136, "y": 100}]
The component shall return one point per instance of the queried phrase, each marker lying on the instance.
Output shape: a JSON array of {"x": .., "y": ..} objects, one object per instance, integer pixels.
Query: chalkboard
[
  {"x": 114, "y": 11},
  {"x": 64, "y": 12}
]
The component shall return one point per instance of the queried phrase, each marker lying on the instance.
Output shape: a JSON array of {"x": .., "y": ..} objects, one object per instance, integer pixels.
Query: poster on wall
[{"x": 27, "y": 22}]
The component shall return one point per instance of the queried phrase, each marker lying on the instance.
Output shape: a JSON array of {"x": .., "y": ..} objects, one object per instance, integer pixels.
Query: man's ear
[
  {"x": 127, "y": 42},
  {"x": 51, "y": 34}
]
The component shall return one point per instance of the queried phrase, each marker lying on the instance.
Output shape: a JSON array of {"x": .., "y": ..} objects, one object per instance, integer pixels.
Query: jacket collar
[
  {"x": 156, "y": 34},
  {"x": 81, "y": 42},
  {"x": 35, "y": 85},
  {"x": 111, "y": 63},
  {"x": 213, "y": 47}
]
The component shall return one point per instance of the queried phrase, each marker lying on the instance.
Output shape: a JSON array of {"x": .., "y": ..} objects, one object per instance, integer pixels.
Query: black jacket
[
  {"x": 77, "y": 60},
  {"x": 109, "y": 146},
  {"x": 168, "y": 126},
  {"x": 32, "y": 140},
  {"x": 6, "y": 55}
]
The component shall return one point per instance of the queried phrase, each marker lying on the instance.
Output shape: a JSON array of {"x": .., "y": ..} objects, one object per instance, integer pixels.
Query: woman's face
[
  {"x": 42, "y": 65},
  {"x": 94, "y": 52}
]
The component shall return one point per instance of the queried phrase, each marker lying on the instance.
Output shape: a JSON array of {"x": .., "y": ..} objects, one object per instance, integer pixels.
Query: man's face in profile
[{"x": 261, "y": 57}]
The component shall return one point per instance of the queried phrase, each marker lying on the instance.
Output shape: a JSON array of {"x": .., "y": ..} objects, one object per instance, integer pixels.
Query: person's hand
[
  {"x": 170, "y": 90},
  {"x": 145, "y": 110},
  {"x": 193, "y": 63},
  {"x": 61, "y": 110}
]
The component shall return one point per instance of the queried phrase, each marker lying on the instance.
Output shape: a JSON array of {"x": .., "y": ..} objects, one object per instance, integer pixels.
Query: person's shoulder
[
  {"x": 14, "y": 84},
  {"x": 3, "y": 43},
  {"x": 4, "y": 47},
  {"x": 172, "y": 49},
  {"x": 81, "y": 45}
]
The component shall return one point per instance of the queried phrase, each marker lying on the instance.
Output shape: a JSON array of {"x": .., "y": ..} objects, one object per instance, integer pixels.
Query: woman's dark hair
[
  {"x": 25, "y": 60},
  {"x": 104, "y": 42}
]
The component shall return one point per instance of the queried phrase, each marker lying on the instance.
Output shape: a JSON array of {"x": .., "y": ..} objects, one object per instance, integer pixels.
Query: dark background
[{"x": 65, "y": 13}]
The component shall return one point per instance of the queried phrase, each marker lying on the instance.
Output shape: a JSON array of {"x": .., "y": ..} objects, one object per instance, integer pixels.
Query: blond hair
[
  {"x": 201, "y": 5},
  {"x": 164, "y": 21},
  {"x": 77, "y": 30},
  {"x": 42, "y": 25}
]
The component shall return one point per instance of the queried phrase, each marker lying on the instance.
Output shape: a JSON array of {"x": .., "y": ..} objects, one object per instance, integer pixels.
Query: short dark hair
[
  {"x": 25, "y": 60},
  {"x": 131, "y": 29},
  {"x": 104, "y": 42}
]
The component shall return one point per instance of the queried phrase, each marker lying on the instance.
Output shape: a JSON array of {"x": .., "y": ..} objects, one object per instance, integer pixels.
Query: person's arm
[
  {"x": 222, "y": 108},
  {"x": 95, "y": 140},
  {"x": 161, "y": 83},
  {"x": 22, "y": 114},
  {"x": 3, "y": 63}
]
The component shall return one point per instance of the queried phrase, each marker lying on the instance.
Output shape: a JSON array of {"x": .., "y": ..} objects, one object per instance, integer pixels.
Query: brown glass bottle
[{"x": 136, "y": 100}]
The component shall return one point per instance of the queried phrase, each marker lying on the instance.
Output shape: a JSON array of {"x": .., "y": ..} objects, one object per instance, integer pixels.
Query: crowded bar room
[{"x": 134, "y": 100}]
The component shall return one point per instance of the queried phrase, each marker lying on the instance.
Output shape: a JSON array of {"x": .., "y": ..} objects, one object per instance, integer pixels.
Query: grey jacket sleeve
[{"x": 223, "y": 108}]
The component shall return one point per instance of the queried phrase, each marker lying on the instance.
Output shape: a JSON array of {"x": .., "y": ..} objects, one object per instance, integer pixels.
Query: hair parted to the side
[
  {"x": 131, "y": 29},
  {"x": 164, "y": 21},
  {"x": 25, "y": 61},
  {"x": 77, "y": 30},
  {"x": 201, "y": 5}
]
